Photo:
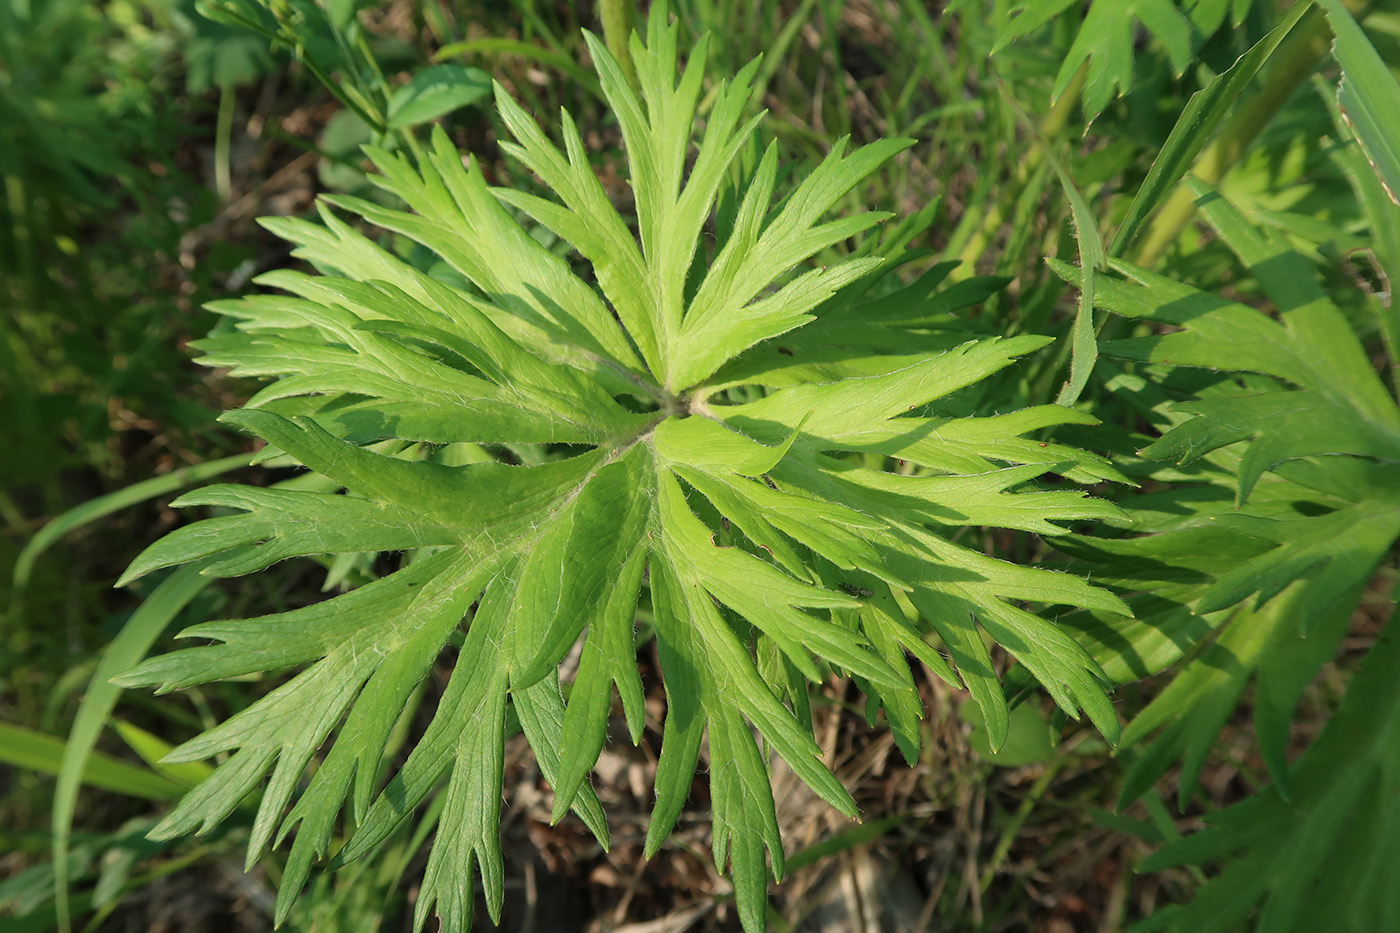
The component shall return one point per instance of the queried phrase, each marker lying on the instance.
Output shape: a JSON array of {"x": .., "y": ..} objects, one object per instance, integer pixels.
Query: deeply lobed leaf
[
  {"x": 644, "y": 447},
  {"x": 1258, "y": 565}
]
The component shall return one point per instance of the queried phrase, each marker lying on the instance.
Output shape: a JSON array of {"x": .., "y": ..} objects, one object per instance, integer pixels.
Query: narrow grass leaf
[
  {"x": 1194, "y": 128},
  {"x": 131, "y": 644},
  {"x": 1368, "y": 90}
]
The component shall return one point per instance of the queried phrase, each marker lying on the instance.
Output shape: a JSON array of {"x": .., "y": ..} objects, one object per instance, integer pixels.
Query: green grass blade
[
  {"x": 135, "y": 639},
  {"x": 1368, "y": 90},
  {"x": 35, "y": 751},
  {"x": 843, "y": 842},
  {"x": 153, "y": 749},
  {"x": 94, "y": 509},
  {"x": 1203, "y": 113}
]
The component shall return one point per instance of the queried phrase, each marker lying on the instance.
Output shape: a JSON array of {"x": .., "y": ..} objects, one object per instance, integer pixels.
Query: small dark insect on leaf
[
  {"x": 859, "y": 592},
  {"x": 724, "y": 522},
  {"x": 769, "y": 480},
  {"x": 785, "y": 351}
]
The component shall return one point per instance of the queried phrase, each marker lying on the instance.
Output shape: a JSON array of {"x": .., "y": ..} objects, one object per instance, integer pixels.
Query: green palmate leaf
[
  {"x": 1092, "y": 259},
  {"x": 1305, "y": 575},
  {"x": 1264, "y": 646},
  {"x": 1274, "y": 583},
  {"x": 548, "y": 450},
  {"x": 1324, "y": 858},
  {"x": 1259, "y": 565},
  {"x": 1383, "y": 216},
  {"x": 1312, "y": 347},
  {"x": 1104, "y": 43}
]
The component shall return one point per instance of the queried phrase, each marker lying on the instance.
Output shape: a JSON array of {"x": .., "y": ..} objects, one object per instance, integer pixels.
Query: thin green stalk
[
  {"x": 777, "y": 51},
  {"x": 10, "y": 512},
  {"x": 362, "y": 46},
  {"x": 538, "y": 28},
  {"x": 18, "y": 201},
  {"x": 1296, "y": 58},
  {"x": 1013, "y": 828},
  {"x": 1050, "y": 127},
  {"x": 933, "y": 34},
  {"x": 617, "y": 26},
  {"x": 346, "y": 100},
  {"x": 831, "y": 16},
  {"x": 223, "y": 131},
  {"x": 288, "y": 36},
  {"x": 347, "y": 58}
]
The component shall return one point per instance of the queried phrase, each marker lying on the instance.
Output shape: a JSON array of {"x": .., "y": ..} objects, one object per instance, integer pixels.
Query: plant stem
[
  {"x": 1050, "y": 127},
  {"x": 1013, "y": 828},
  {"x": 1296, "y": 58},
  {"x": 223, "y": 132},
  {"x": 617, "y": 26}
]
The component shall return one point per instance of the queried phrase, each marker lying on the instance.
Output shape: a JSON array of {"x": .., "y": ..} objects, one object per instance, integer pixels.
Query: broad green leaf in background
[
  {"x": 1028, "y": 742},
  {"x": 435, "y": 92},
  {"x": 1104, "y": 42}
]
